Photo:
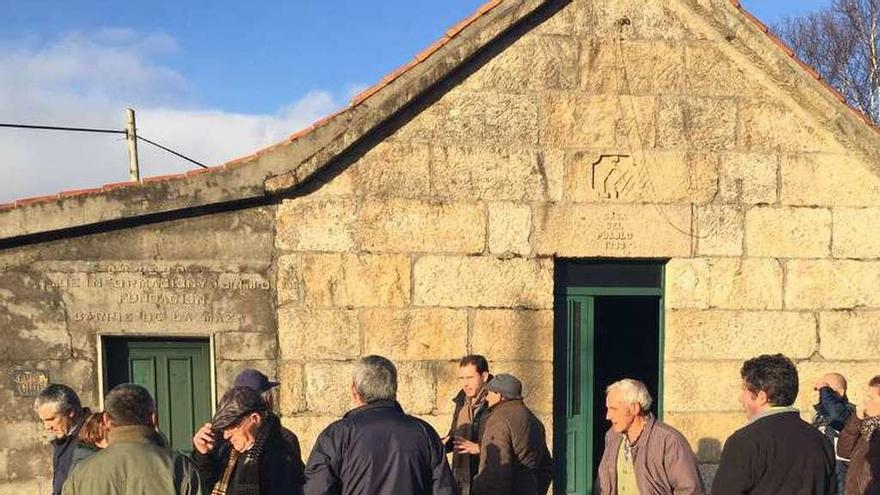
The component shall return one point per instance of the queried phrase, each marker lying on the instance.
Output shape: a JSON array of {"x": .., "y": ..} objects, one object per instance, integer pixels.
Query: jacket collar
[
  {"x": 773, "y": 411},
  {"x": 134, "y": 434},
  {"x": 375, "y": 405},
  {"x": 74, "y": 431}
]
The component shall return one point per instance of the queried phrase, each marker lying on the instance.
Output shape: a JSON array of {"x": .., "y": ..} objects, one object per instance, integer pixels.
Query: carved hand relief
[{"x": 605, "y": 177}]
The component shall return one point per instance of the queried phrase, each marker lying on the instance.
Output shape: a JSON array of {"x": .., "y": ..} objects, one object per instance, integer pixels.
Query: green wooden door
[
  {"x": 177, "y": 374},
  {"x": 579, "y": 400}
]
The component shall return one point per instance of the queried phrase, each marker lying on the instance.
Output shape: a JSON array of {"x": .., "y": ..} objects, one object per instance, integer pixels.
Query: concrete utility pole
[{"x": 134, "y": 172}]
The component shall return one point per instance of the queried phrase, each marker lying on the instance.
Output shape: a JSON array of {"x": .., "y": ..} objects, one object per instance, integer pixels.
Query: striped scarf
[
  {"x": 246, "y": 483},
  {"x": 869, "y": 426}
]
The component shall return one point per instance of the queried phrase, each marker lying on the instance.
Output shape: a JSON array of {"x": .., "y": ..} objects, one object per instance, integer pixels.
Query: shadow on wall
[{"x": 708, "y": 455}]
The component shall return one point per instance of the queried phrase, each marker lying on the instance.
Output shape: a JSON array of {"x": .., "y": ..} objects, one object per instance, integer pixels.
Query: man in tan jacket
[
  {"x": 513, "y": 447},
  {"x": 643, "y": 455}
]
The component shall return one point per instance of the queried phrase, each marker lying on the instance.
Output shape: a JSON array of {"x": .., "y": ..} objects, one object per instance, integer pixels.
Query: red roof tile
[{"x": 78, "y": 192}]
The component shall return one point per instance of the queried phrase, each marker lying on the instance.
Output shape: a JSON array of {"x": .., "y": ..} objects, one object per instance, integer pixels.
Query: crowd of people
[{"x": 497, "y": 445}]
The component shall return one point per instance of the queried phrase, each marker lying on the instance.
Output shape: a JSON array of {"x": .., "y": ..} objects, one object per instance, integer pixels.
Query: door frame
[
  {"x": 212, "y": 376},
  {"x": 562, "y": 388}
]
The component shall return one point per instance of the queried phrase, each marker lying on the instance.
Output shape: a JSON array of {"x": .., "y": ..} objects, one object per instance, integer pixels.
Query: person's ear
[
  {"x": 107, "y": 421},
  {"x": 154, "y": 419},
  {"x": 762, "y": 398},
  {"x": 485, "y": 376},
  {"x": 634, "y": 408}
]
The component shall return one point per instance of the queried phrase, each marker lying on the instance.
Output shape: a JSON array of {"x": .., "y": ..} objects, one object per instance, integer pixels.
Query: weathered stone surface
[
  {"x": 287, "y": 281},
  {"x": 850, "y": 335},
  {"x": 510, "y": 228},
  {"x": 416, "y": 386},
  {"x": 788, "y": 232},
  {"x": 632, "y": 67},
  {"x": 483, "y": 118},
  {"x": 308, "y": 334},
  {"x": 828, "y": 179},
  {"x": 307, "y": 428},
  {"x": 831, "y": 284},
  {"x": 307, "y": 224},
  {"x": 664, "y": 177},
  {"x": 513, "y": 335},
  {"x": 41, "y": 485},
  {"x": 537, "y": 381},
  {"x": 482, "y": 281},
  {"x": 746, "y": 283},
  {"x": 23, "y": 435},
  {"x": 246, "y": 345},
  {"x": 718, "y": 334},
  {"x": 597, "y": 121},
  {"x": 32, "y": 316},
  {"x": 855, "y": 233},
  {"x": 706, "y": 431},
  {"x": 415, "y": 334},
  {"x": 711, "y": 72},
  {"x": 582, "y": 229},
  {"x": 401, "y": 225},
  {"x": 440, "y": 423},
  {"x": 394, "y": 169},
  {"x": 693, "y": 386},
  {"x": 79, "y": 374},
  {"x": 650, "y": 19},
  {"x": 327, "y": 388},
  {"x": 355, "y": 280},
  {"x": 767, "y": 125},
  {"x": 687, "y": 283},
  {"x": 720, "y": 230},
  {"x": 447, "y": 385},
  {"x": 700, "y": 122},
  {"x": 531, "y": 63},
  {"x": 489, "y": 173},
  {"x": 292, "y": 396},
  {"x": 748, "y": 178}
]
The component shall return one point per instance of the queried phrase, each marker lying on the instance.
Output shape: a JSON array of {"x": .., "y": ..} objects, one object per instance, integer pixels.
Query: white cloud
[{"x": 89, "y": 80}]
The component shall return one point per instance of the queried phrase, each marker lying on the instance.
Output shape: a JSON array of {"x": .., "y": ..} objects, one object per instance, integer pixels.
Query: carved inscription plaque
[{"x": 29, "y": 383}]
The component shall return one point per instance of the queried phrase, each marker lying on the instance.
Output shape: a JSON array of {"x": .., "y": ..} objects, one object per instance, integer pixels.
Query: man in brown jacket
[
  {"x": 643, "y": 455},
  {"x": 860, "y": 442},
  {"x": 463, "y": 439},
  {"x": 513, "y": 447}
]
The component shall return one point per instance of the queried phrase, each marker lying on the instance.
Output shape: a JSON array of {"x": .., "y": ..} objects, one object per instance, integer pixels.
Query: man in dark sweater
[{"x": 776, "y": 453}]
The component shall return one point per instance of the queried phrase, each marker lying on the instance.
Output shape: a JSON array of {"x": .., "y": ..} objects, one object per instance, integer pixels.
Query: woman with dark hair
[
  {"x": 860, "y": 442},
  {"x": 92, "y": 437}
]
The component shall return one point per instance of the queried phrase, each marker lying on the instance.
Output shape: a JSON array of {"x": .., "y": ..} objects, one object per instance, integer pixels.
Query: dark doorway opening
[{"x": 609, "y": 326}]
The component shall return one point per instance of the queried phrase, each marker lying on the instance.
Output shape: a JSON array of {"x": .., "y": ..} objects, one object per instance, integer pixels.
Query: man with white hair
[{"x": 643, "y": 455}]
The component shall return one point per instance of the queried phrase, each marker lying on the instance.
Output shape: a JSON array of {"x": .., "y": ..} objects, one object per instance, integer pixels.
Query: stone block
[
  {"x": 855, "y": 233},
  {"x": 328, "y": 388},
  {"x": 415, "y": 334},
  {"x": 634, "y": 67},
  {"x": 649, "y": 20},
  {"x": 687, "y": 283},
  {"x": 706, "y": 431},
  {"x": 510, "y": 228},
  {"x": 531, "y": 63},
  {"x": 788, "y": 232},
  {"x": 831, "y": 284},
  {"x": 448, "y": 385},
  {"x": 513, "y": 335},
  {"x": 355, "y": 280},
  {"x": 489, "y": 173},
  {"x": 339, "y": 185},
  {"x": 416, "y": 390},
  {"x": 483, "y": 118},
  {"x": 721, "y": 334},
  {"x": 482, "y": 282},
  {"x": 720, "y": 230},
  {"x": 748, "y": 178},
  {"x": 288, "y": 282},
  {"x": 597, "y": 121},
  {"x": 307, "y": 428},
  {"x": 850, "y": 335},
  {"x": 626, "y": 230},
  {"x": 664, "y": 177},
  {"x": 745, "y": 283},
  {"x": 828, "y": 179},
  {"x": 402, "y": 225},
  {"x": 394, "y": 169},
  {"x": 307, "y": 224},
  {"x": 766, "y": 125},
  {"x": 705, "y": 124},
  {"x": 40, "y": 485},
  {"x": 79, "y": 374},
  {"x": 32, "y": 309},
  {"x": 22, "y": 434},
  {"x": 306, "y": 334},
  {"x": 237, "y": 346},
  {"x": 537, "y": 382},
  {"x": 710, "y": 71},
  {"x": 694, "y": 386},
  {"x": 292, "y": 398},
  {"x": 440, "y": 423}
]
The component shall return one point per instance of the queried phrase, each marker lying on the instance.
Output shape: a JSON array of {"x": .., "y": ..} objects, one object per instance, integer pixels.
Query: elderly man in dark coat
[
  {"x": 62, "y": 415},
  {"x": 514, "y": 458}
]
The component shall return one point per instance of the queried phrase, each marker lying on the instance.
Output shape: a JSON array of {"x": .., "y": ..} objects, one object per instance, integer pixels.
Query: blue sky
[{"x": 212, "y": 79}]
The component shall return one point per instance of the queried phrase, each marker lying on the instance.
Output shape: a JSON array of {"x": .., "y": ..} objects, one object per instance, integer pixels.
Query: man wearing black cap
[
  {"x": 257, "y": 461},
  {"x": 514, "y": 458}
]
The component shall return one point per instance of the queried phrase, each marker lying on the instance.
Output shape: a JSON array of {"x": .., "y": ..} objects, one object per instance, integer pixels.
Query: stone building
[{"x": 578, "y": 189}]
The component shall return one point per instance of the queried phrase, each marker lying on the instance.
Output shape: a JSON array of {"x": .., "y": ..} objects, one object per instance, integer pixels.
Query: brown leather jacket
[
  {"x": 663, "y": 460},
  {"x": 863, "y": 476},
  {"x": 514, "y": 458}
]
